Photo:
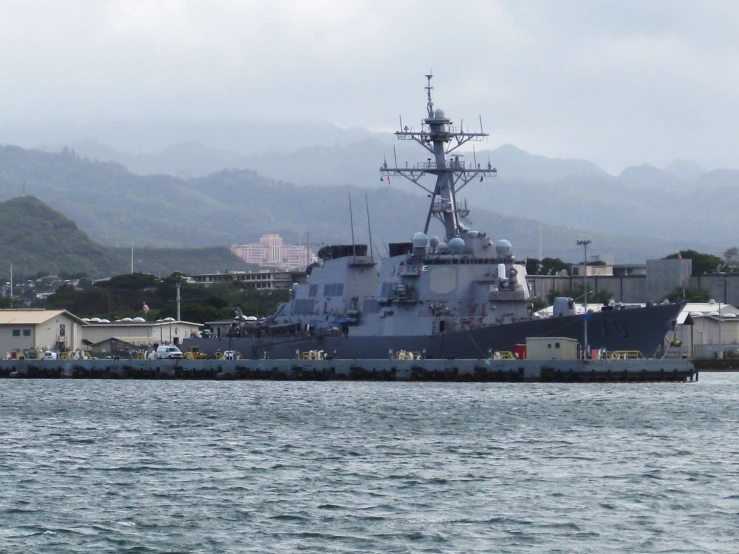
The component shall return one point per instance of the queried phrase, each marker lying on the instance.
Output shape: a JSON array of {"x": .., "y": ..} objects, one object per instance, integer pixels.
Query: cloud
[{"x": 619, "y": 83}]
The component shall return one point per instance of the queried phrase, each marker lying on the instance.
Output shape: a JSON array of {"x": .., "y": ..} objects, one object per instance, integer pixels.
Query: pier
[{"x": 455, "y": 370}]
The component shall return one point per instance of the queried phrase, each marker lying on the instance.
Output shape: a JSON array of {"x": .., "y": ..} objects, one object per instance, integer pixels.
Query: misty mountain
[
  {"x": 115, "y": 207},
  {"x": 354, "y": 163},
  {"x": 154, "y": 136},
  {"x": 641, "y": 202},
  {"x": 649, "y": 176},
  {"x": 685, "y": 170}
]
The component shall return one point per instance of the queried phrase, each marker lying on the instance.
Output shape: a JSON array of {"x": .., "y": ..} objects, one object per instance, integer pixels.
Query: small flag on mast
[
  {"x": 388, "y": 180},
  {"x": 146, "y": 308}
]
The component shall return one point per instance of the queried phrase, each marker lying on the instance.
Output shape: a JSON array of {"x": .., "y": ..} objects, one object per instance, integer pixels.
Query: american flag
[{"x": 146, "y": 308}]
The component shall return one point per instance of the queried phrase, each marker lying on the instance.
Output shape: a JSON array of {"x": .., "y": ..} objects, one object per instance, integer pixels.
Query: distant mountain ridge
[
  {"x": 233, "y": 206},
  {"x": 680, "y": 203}
]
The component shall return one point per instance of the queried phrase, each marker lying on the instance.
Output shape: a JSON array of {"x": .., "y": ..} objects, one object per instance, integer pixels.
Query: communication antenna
[
  {"x": 351, "y": 221},
  {"x": 429, "y": 88},
  {"x": 369, "y": 227}
]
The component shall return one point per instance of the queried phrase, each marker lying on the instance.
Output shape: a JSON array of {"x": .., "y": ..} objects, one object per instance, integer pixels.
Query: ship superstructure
[{"x": 463, "y": 295}]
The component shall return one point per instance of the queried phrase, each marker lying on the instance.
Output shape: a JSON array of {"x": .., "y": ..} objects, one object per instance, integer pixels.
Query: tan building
[
  {"x": 36, "y": 329},
  {"x": 551, "y": 348}
]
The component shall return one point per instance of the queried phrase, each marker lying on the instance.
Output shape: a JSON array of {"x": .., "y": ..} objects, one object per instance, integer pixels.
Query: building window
[
  {"x": 26, "y": 332},
  {"x": 16, "y": 332}
]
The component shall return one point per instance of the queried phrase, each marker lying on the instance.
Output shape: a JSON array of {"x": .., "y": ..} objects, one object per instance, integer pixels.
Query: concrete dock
[{"x": 455, "y": 370}]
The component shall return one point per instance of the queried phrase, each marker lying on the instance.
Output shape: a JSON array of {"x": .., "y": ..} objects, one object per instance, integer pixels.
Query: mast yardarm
[{"x": 441, "y": 138}]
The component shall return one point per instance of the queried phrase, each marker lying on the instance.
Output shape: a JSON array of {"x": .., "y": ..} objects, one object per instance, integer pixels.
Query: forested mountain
[
  {"x": 682, "y": 203},
  {"x": 115, "y": 207},
  {"x": 36, "y": 239}
]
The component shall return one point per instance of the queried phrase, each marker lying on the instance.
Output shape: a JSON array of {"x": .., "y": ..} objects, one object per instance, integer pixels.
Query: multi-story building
[
  {"x": 271, "y": 252},
  {"x": 259, "y": 280}
]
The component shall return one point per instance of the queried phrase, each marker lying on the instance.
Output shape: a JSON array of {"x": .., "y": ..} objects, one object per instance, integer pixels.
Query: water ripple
[{"x": 154, "y": 467}]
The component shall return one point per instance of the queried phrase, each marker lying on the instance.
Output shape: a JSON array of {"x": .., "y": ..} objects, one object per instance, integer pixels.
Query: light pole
[
  {"x": 584, "y": 244},
  {"x": 720, "y": 342}
]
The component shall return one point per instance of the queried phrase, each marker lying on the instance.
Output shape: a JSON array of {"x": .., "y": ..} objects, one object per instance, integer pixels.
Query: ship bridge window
[
  {"x": 334, "y": 289},
  {"x": 312, "y": 291},
  {"x": 303, "y": 306}
]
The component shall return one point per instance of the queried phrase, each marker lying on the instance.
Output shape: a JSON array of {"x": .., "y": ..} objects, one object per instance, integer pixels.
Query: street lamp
[
  {"x": 584, "y": 244},
  {"x": 722, "y": 281}
]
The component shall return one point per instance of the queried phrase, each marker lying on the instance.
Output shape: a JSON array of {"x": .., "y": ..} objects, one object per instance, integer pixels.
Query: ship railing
[
  {"x": 625, "y": 355},
  {"x": 429, "y": 165}
]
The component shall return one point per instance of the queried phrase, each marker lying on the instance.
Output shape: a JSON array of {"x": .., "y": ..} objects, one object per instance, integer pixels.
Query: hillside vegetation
[
  {"x": 36, "y": 239},
  {"x": 115, "y": 207}
]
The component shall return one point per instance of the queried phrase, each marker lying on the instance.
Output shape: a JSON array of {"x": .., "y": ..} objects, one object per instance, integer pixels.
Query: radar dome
[
  {"x": 439, "y": 114},
  {"x": 420, "y": 240},
  {"x": 442, "y": 248},
  {"x": 456, "y": 245},
  {"x": 434, "y": 242},
  {"x": 503, "y": 248}
]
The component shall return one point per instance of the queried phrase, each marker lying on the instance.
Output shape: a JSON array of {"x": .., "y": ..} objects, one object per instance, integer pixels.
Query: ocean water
[{"x": 166, "y": 466}]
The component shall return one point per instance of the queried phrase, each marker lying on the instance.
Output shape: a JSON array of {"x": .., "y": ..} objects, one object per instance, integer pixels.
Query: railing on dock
[{"x": 625, "y": 355}]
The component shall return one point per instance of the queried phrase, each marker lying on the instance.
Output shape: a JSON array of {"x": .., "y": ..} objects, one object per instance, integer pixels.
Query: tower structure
[{"x": 441, "y": 139}]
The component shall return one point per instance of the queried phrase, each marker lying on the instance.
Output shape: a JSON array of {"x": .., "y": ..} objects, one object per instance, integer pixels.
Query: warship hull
[{"x": 642, "y": 329}]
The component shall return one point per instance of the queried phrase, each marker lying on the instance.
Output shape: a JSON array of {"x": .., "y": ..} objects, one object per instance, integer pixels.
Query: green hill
[{"x": 34, "y": 238}]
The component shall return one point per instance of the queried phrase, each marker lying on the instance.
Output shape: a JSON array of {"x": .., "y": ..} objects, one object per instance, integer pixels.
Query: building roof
[
  {"x": 125, "y": 342},
  {"x": 150, "y": 324},
  {"x": 13, "y": 316},
  {"x": 705, "y": 309}
]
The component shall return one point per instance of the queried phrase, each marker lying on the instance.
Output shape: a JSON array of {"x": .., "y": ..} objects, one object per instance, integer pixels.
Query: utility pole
[
  {"x": 586, "y": 351},
  {"x": 178, "y": 301},
  {"x": 720, "y": 342}
]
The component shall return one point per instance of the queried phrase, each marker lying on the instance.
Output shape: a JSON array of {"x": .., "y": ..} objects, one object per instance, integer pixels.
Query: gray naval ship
[{"x": 463, "y": 296}]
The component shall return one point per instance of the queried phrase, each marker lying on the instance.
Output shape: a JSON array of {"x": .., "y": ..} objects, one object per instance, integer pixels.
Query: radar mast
[{"x": 441, "y": 138}]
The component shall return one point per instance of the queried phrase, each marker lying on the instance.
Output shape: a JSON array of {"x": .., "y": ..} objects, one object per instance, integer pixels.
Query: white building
[
  {"x": 259, "y": 280},
  {"x": 271, "y": 252},
  {"x": 704, "y": 329},
  {"x": 36, "y": 329},
  {"x": 139, "y": 332}
]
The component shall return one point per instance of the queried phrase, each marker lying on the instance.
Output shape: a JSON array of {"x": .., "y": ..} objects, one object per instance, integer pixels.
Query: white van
[{"x": 168, "y": 352}]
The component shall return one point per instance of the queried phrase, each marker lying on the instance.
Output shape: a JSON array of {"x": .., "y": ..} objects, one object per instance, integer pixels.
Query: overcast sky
[{"x": 617, "y": 82}]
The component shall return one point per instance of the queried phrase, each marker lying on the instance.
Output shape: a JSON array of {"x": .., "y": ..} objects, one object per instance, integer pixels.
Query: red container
[{"x": 519, "y": 350}]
